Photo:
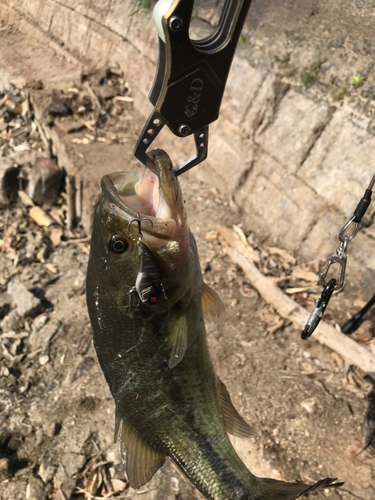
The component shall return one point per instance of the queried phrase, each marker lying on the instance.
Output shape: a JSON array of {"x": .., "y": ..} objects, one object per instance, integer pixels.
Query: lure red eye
[
  {"x": 118, "y": 244},
  {"x": 153, "y": 300}
]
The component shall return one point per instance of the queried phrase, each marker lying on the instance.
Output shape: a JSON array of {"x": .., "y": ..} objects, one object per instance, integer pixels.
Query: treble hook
[
  {"x": 139, "y": 223},
  {"x": 148, "y": 284}
]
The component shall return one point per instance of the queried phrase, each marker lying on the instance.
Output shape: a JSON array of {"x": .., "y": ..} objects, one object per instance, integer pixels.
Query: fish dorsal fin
[
  {"x": 233, "y": 422},
  {"x": 178, "y": 340},
  {"x": 213, "y": 308},
  {"x": 139, "y": 459}
]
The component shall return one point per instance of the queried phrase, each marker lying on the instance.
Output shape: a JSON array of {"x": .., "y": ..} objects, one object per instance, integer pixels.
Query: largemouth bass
[{"x": 147, "y": 303}]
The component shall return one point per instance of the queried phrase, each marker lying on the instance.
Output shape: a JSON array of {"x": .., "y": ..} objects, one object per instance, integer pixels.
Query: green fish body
[{"x": 154, "y": 353}]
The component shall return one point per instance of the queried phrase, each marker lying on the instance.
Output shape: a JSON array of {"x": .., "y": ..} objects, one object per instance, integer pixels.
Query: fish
[{"x": 148, "y": 304}]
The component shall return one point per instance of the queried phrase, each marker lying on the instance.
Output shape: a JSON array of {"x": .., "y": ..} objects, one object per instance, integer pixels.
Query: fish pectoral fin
[
  {"x": 213, "y": 308},
  {"x": 178, "y": 340},
  {"x": 271, "y": 488},
  {"x": 233, "y": 422},
  {"x": 139, "y": 459}
]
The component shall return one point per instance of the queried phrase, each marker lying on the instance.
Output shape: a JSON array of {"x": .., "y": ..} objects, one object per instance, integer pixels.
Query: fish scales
[
  {"x": 173, "y": 407},
  {"x": 154, "y": 355}
]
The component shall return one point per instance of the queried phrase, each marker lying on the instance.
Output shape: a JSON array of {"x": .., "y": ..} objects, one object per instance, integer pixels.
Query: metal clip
[
  {"x": 339, "y": 257},
  {"x": 317, "y": 314},
  {"x": 354, "y": 230},
  {"x": 191, "y": 75}
]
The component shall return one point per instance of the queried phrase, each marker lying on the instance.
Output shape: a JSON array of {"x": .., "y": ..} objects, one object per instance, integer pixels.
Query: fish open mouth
[
  {"x": 155, "y": 196},
  {"x": 148, "y": 193}
]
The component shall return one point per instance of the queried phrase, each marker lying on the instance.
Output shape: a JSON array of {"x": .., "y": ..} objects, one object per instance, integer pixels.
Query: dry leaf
[
  {"x": 232, "y": 204},
  {"x": 55, "y": 236},
  {"x": 307, "y": 369},
  {"x": 124, "y": 98},
  {"x": 362, "y": 334},
  {"x": 241, "y": 234},
  {"x": 273, "y": 329},
  {"x": 51, "y": 268},
  {"x": 210, "y": 236},
  {"x": 92, "y": 483},
  {"x": 268, "y": 317},
  {"x": 40, "y": 216},
  {"x": 57, "y": 214},
  {"x": 118, "y": 485},
  {"x": 308, "y": 404},
  {"x": 25, "y": 199},
  {"x": 281, "y": 253},
  {"x": 248, "y": 251},
  {"x": 292, "y": 291},
  {"x": 303, "y": 274}
]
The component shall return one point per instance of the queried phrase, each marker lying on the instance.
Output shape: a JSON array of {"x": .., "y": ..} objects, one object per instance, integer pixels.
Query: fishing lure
[{"x": 148, "y": 284}]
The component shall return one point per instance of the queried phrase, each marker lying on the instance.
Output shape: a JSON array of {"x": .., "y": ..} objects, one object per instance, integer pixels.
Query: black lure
[{"x": 148, "y": 284}]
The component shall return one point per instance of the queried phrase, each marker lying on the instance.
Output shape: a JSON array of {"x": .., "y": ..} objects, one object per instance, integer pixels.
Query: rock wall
[{"x": 295, "y": 140}]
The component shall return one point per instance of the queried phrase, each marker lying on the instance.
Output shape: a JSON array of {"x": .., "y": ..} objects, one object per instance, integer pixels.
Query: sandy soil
[{"x": 57, "y": 413}]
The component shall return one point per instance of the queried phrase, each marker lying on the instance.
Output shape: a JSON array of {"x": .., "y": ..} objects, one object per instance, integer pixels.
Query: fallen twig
[
  {"x": 348, "y": 348},
  {"x": 70, "y": 200}
]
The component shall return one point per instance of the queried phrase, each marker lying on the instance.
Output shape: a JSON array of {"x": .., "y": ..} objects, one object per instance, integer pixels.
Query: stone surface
[
  {"x": 41, "y": 337},
  {"x": 244, "y": 82},
  {"x": 142, "y": 34},
  {"x": 205, "y": 9},
  {"x": 227, "y": 159},
  {"x": 322, "y": 238},
  {"x": 262, "y": 111},
  {"x": 120, "y": 10},
  {"x": 26, "y": 303},
  {"x": 44, "y": 181},
  {"x": 27, "y": 62},
  {"x": 298, "y": 123},
  {"x": 46, "y": 472},
  {"x": 35, "y": 489},
  {"x": 12, "y": 322},
  {"x": 341, "y": 164},
  {"x": 264, "y": 199}
]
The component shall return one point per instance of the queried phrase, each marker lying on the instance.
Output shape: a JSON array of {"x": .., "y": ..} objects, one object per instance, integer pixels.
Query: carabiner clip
[
  {"x": 321, "y": 306},
  {"x": 339, "y": 257}
]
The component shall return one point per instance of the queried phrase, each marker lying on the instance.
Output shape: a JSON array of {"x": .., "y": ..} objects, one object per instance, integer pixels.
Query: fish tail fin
[{"x": 272, "y": 489}]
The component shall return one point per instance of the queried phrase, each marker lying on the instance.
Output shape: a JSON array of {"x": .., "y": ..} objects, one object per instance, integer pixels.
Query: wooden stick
[
  {"x": 71, "y": 202},
  {"x": 346, "y": 347},
  {"x": 78, "y": 200}
]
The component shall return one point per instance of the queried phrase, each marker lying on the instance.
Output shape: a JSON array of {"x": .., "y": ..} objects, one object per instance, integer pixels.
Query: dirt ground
[{"x": 314, "y": 415}]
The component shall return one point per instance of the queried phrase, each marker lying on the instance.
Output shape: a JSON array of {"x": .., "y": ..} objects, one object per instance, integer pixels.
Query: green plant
[
  {"x": 341, "y": 94},
  {"x": 141, "y": 5},
  {"x": 357, "y": 81},
  {"x": 283, "y": 62},
  {"x": 309, "y": 77},
  {"x": 241, "y": 39}
]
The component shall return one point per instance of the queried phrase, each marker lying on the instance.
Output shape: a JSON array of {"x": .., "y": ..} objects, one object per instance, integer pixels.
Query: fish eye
[{"x": 118, "y": 244}]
